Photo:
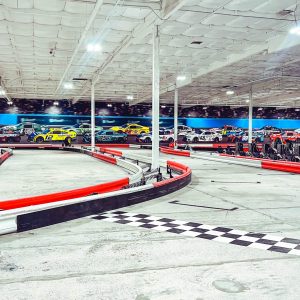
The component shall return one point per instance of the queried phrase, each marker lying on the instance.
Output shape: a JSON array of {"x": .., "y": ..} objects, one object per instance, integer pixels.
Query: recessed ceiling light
[
  {"x": 247, "y": 101},
  {"x": 93, "y": 48},
  {"x": 230, "y": 93},
  {"x": 181, "y": 77},
  {"x": 129, "y": 97},
  {"x": 295, "y": 30},
  {"x": 68, "y": 85}
]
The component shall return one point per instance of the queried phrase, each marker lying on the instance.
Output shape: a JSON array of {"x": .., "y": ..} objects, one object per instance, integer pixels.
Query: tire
[
  {"x": 39, "y": 140},
  {"x": 68, "y": 141},
  {"x": 170, "y": 140},
  {"x": 195, "y": 140},
  {"x": 217, "y": 140},
  {"x": 147, "y": 140}
]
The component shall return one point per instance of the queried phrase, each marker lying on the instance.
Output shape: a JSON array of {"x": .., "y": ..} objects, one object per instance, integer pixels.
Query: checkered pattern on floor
[{"x": 203, "y": 231}]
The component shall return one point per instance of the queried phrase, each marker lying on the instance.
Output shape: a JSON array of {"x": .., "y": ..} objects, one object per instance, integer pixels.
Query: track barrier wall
[
  {"x": 48, "y": 209},
  {"x": 4, "y": 155}
]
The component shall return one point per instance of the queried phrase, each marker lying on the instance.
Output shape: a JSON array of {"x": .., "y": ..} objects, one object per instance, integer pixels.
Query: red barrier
[
  {"x": 4, "y": 157},
  {"x": 111, "y": 160},
  {"x": 174, "y": 151},
  {"x": 281, "y": 166},
  {"x": 113, "y": 145},
  {"x": 110, "y": 151},
  {"x": 184, "y": 170},
  {"x": 67, "y": 195}
]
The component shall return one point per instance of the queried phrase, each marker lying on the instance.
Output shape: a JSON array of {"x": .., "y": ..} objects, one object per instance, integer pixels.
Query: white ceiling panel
[{"x": 216, "y": 43}]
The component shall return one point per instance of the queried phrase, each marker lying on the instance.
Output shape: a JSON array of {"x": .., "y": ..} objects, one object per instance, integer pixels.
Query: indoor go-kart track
[{"x": 101, "y": 259}]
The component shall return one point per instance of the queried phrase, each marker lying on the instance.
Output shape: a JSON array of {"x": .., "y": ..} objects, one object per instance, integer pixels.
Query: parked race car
[
  {"x": 288, "y": 136},
  {"x": 83, "y": 128},
  {"x": 257, "y": 137},
  {"x": 147, "y": 137},
  {"x": 106, "y": 136},
  {"x": 208, "y": 136},
  {"x": 25, "y": 128},
  {"x": 131, "y": 129},
  {"x": 9, "y": 136},
  {"x": 55, "y": 134},
  {"x": 268, "y": 130}
]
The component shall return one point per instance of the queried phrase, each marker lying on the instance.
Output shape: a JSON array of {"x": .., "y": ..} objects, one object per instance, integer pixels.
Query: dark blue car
[{"x": 106, "y": 136}]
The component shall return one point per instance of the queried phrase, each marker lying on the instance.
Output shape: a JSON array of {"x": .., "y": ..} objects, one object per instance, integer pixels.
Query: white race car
[{"x": 207, "y": 136}]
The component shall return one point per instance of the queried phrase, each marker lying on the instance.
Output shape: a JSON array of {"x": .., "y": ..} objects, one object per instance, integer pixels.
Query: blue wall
[
  {"x": 44, "y": 119},
  {"x": 243, "y": 123},
  {"x": 11, "y": 119}
]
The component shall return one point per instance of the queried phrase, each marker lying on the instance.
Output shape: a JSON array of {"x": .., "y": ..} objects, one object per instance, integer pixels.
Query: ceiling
[{"x": 243, "y": 45}]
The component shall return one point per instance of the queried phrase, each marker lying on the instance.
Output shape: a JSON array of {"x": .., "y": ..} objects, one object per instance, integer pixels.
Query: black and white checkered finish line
[{"x": 203, "y": 231}]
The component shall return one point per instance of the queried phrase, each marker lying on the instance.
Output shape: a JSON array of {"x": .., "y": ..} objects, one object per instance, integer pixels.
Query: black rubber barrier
[{"x": 78, "y": 210}]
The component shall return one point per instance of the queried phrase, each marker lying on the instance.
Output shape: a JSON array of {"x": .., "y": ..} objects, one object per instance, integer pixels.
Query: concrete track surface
[
  {"x": 36, "y": 172},
  {"x": 94, "y": 259}
]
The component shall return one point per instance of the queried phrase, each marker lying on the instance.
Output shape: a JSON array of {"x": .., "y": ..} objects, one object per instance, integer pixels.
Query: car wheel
[
  {"x": 147, "y": 140},
  {"x": 218, "y": 140},
  {"x": 39, "y": 140},
  {"x": 195, "y": 140},
  {"x": 68, "y": 141}
]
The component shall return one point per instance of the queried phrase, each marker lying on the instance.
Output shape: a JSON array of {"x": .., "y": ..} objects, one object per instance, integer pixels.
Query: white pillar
[
  {"x": 175, "y": 116},
  {"x": 250, "y": 118},
  {"x": 93, "y": 116},
  {"x": 155, "y": 100}
]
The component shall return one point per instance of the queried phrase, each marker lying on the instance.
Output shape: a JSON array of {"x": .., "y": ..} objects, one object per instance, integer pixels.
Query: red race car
[
  {"x": 288, "y": 136},
  {"x": 9, "y": 137}
]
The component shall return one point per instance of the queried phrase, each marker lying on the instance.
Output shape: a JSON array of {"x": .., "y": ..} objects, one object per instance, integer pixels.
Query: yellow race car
[
  {"x": 131, "y": 129},
  {"x": 55, "y": 134}
]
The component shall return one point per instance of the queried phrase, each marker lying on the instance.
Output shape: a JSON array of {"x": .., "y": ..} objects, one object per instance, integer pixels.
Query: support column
[
  {"x": 93, "y": 116},
  {"x": 176, "y": 116},
  {"x": 250, "y": 119},
  {"x": 155, "y": 100}
]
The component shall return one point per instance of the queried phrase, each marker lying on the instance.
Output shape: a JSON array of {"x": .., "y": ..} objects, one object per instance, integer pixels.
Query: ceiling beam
[
  {"x": 82, "y": 39},
  {"x": 169, "y": 7}
]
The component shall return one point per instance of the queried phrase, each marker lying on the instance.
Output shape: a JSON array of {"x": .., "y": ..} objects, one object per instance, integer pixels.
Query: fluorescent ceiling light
[
  {"x": 295, "y": 30},
  {"x": 247, "y": 100},
  {"x": 68, "y": 85},
  {"x": 93, "y": 48},
  {"x": 129, "y": 97},
  {"x": 181, "y": 77},
  {"x": 2, "y": 92},
  {"x": 230, "y": 93}
]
